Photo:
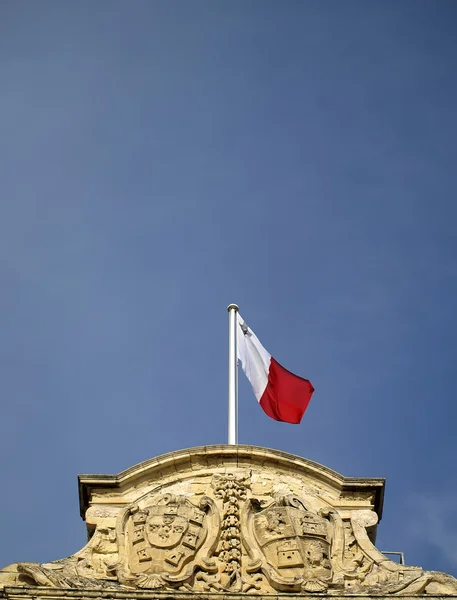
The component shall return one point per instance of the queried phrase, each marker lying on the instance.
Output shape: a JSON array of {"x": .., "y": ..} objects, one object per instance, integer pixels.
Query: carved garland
[{"x": 231, "y": 489}]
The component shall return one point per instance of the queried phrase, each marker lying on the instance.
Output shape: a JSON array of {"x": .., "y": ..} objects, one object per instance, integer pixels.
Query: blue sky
[{"x": 161, "y": 159}]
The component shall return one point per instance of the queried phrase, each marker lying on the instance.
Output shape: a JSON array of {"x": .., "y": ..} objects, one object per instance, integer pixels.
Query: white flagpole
[{"x": 232, "y": 377}]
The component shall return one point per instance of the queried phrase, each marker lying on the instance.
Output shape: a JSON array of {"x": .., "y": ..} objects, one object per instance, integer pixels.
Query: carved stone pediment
[{"x": 228, "y": 519}]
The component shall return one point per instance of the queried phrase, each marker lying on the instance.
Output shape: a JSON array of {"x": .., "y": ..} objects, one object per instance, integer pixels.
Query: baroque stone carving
[
  {"x": 91, "y": 568},
  {"x": 231, "y": 488},
  {"x": 289, "y": 544},
  {"x": 164, "y": 543},
  {"x": 231, "y": 519}
]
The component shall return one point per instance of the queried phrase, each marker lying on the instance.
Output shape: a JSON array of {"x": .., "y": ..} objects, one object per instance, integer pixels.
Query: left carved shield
[{"x": 164, "y": 539}]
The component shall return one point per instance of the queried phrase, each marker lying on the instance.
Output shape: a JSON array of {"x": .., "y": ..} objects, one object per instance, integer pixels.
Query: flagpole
[{"x": 232, "y": 377}]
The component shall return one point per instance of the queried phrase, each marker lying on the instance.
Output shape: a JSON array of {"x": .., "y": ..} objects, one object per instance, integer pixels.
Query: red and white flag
[{"x": 282, "y": 395}]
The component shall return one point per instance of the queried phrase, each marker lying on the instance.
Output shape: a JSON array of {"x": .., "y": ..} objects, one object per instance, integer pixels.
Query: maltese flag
[{"x": 282, "y": 395}]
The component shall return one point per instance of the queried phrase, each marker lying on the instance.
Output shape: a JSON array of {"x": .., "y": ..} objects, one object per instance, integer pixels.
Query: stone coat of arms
[
  {"x": 291, "y": 544},
  {"x": 162, "y": 542}
]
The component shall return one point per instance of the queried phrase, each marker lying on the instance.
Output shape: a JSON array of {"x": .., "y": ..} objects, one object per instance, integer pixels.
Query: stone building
[{"x": 226, "y": 521}]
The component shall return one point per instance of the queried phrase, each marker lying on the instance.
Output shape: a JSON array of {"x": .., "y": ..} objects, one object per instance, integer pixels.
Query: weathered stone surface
[{"x": 232, "y": 520}]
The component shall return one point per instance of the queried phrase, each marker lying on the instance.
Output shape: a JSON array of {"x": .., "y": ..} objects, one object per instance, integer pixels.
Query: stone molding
[
  {"x": 43, "y": 593},
  {"x": 200, "y": 457}
]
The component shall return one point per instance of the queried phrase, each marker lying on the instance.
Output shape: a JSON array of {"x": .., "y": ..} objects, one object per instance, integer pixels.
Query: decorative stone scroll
[{"x": 230, "y": 519}]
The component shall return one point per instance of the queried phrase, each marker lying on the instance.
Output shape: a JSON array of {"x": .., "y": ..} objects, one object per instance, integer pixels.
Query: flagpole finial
[{"x": 232, "y": 307}]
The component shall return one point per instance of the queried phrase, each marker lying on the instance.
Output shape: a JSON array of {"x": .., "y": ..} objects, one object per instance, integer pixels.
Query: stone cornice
[
  {"x": 243, "y": 456},
  {"x": 38, "y": 593}
]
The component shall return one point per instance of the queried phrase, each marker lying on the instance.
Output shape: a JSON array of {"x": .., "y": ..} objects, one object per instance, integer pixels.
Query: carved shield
[
  {"x": 166, "y": 536},
  {"x": 295, "y": 543}
]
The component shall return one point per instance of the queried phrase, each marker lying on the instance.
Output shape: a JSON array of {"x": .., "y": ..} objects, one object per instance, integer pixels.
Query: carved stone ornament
[
  {"x": 289, "y": 544},
  {"x": 227, "y": 519},
  {"x": 164, "y": 542}
]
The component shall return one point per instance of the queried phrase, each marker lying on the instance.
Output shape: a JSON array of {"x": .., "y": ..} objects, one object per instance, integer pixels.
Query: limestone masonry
[{"x": 226, "y": 521}]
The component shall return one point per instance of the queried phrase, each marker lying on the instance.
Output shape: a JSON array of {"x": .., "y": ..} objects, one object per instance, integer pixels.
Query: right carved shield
[{"x": 295, "y": 544}]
